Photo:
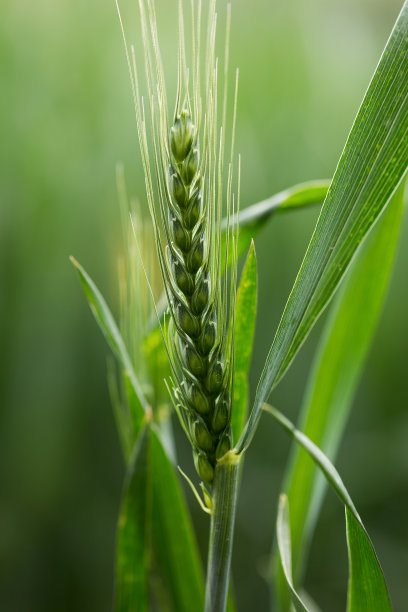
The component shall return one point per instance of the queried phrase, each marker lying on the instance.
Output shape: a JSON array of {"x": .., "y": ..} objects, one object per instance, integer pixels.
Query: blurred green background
[{"x": 66, "y": 118}]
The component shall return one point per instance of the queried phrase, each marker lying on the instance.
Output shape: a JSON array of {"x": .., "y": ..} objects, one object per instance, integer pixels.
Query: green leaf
[
  {"x": 253, "y": 218},
  {"x": 325, "y": 465},
  {"x": 157, "y": 361},
  {"x": 120, "y": 410},
  {"x": 245, "y": 317},
  {"x": 372, "y": 165},
  {"x": 336, "y": 371},
  {"x": 136, "y": 416},
  {"x": 285, "y": 550},
  {"x": 134, "y": 533},
  {"x": 112, "y": 334},
  {"x": 367, "y": 570},
  {"x": 367, "y": 591},
  {"x": 155, "y": 536},
  {"x": 175, "y": 548}
]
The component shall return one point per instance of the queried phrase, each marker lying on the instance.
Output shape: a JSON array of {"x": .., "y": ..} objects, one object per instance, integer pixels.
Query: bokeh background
[{"x": 66, "y": 118}]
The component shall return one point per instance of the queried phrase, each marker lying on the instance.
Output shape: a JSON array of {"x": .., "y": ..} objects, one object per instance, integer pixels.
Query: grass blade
[
  {"x": 136, "y": 416},
  {"x": 110, "y": 330},
  {"x": 324, "y": 464},
  {"x": 174, "y": 544},
  {"x": 367, "y": 591},
  {"x": 120, "y": 411},
  {"x": 253, "y": 218},
  {"x": 134, "y": 530},
  {"x": 336, "y": 371},
  {"x": 245, "y": 316},
  {"x": 372, "y": 165},
  {"x": 366, "y": 577},
  {"x": 285, "y": 551},
  {"x": 155, "y": 535}
]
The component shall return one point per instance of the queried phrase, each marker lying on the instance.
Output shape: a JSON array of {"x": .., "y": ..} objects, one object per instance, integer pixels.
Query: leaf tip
[
  {"x": 283, "y": 500},
  {"x": 74, "y": 261}
]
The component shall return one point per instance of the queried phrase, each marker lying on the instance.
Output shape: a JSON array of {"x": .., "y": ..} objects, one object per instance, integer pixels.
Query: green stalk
[{"x": 225, "y": 489}]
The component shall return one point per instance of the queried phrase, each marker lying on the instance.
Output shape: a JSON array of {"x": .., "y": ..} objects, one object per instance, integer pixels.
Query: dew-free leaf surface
[
  {"x": 253, "y": 218},
  {"x": 371, "y": 166},
  {"x": 285, "y": 551},
  {"x": 155, "y": 536},
  {"x": 110, "y": 330},
  {"x": 336, "y": 371},
  {"x": 134, "y": 533},
  {"x": 174, "y": 543},
  {"x": 367, "y": 591},
  {"x": 367, "y": 586},
  {"x": 245, "y": 316}
]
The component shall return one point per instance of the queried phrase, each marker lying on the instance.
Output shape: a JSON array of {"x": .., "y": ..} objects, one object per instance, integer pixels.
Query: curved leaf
[
  {"x": 110, "y": 330},
  {"x": 367, "y": 585},
  {"x": 336, "y": 371},
  {"x": 325, "y": 465},
  {"x": 108, "y": 326},
  {"x": 372, "y": 165},
  {"x": 253, "y": 218},
  {"x": 367, "y": 591},
  {"x": 285, "y": 551}
]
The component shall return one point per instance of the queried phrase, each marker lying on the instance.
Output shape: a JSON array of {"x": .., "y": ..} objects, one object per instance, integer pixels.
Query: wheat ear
[{"x": 186, "y": 205}]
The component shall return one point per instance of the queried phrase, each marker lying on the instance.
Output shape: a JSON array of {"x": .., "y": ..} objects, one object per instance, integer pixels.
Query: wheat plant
[{"x": 200, "y": 337}]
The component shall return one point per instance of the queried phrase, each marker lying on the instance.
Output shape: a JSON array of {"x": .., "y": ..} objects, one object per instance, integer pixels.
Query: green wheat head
[{"x": 183, "y": 160}]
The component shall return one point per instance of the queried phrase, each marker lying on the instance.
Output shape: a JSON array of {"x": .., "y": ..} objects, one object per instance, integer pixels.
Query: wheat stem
[{"x": 224, "y": 501}]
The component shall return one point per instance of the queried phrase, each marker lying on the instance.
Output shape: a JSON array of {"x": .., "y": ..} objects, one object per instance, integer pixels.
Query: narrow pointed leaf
[
  {"x": 157, "y": 361},
  {"x": 134, "y": 532},
  {"x": 285, "y": 552},
  {"x": 336, "y": 371},
  {"x": 155, "y": 535},
  {"x": 367, "y": 591},
  {"x": 137, "y": 417},
  {"x": 245, "y": 316},
  {"x": 109, "y": 328},
  {"x": 174, "y": 544},
  {"x": 366, "y": 571},
  {"x": 324, "y": 464},
  {"x": 120, "y": 411},
  {"x": 372, "y": 165},
  {"x": 253, "y": 218}
]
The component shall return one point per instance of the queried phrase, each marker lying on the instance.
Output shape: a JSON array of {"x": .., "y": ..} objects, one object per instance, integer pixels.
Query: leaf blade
[
  {"x": 284, "y": 547},
  {"x": 253, "y": 218},
  {"x": 245, "y": 315},
  {"x": 371, "y": 167},
  {"x": 174, "y": 543},
  {"x": 133, "y": 535},
  {"x": 155, "y": 531},
  {"x": 360, "y": 538},
  {"x": 367, "y": 590},
  {"x": 110, "y": 330},
  {"x": 337, "y": 368}
]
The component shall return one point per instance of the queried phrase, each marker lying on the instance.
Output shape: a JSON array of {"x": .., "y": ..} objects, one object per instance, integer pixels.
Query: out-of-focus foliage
[{"x": 65, "y": 119}]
